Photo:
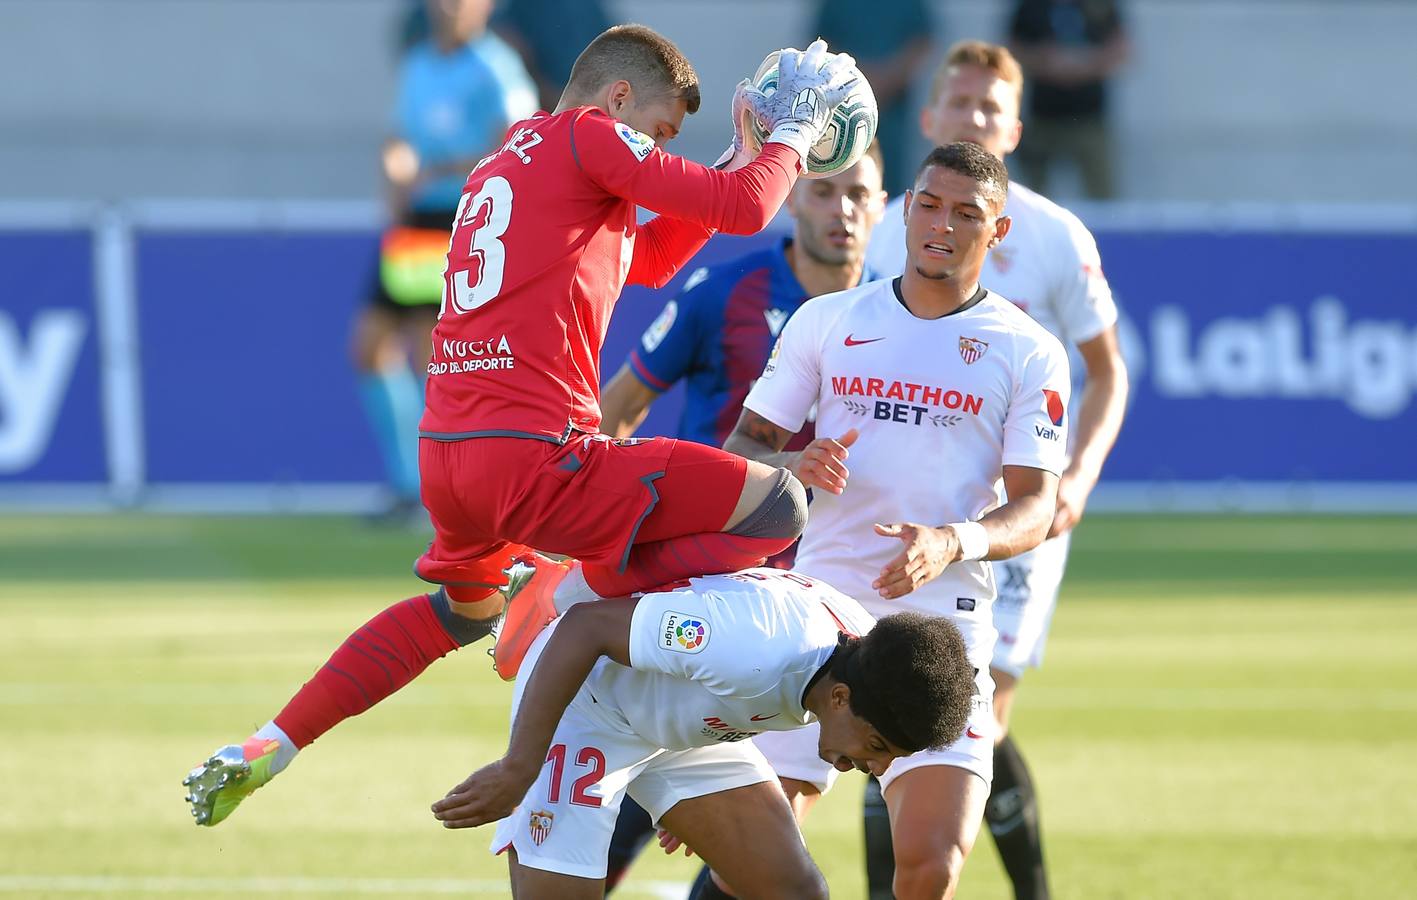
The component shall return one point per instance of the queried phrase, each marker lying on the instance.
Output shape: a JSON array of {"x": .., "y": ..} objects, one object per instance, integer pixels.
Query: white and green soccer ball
[{"x": 850, "y": 132}]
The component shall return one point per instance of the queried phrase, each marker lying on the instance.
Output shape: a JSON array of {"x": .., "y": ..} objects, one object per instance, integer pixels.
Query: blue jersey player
[{"x": 718, "y": 333}]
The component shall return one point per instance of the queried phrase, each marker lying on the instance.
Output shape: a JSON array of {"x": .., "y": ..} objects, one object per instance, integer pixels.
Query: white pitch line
[{"x": 170, "y": 884}]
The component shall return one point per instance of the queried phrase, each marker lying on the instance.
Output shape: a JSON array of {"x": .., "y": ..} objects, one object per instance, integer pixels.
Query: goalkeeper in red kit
[{"x": 544, "y": 239}]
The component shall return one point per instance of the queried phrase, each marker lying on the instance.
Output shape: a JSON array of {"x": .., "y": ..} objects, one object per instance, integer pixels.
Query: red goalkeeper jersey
[{"x": 544, "y": 240}]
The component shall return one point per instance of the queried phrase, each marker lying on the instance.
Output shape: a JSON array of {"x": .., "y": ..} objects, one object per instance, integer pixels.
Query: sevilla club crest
[
  {"x": 541, "y": 822},
  {"x": 970, "y": 349}
]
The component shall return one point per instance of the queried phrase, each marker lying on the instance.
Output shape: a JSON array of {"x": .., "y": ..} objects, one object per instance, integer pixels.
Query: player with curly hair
[{"x": 657, "y": 697}]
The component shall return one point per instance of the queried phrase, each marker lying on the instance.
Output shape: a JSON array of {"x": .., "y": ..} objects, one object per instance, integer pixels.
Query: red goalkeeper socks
[{"x": 388, "y": 652}]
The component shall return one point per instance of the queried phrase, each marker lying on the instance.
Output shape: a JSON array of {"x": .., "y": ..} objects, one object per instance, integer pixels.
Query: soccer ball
[{"x": 850, "y": 132}]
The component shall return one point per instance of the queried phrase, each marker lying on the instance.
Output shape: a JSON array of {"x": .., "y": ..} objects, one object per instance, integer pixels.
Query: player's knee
[
  {"x": 1007, "y": 810},
  {"x": 781, "y": 514},
  {"x": 928, "y": 872}
]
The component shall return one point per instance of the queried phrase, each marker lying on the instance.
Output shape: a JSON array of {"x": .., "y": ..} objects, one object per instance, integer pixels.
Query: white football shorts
[
  {"x": 565, "y": 821},
  {"x": 793, "y": 754},
  {"x": 1028, "y": 594}
]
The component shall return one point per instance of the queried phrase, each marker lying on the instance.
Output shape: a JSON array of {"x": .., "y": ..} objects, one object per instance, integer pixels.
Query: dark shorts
[
  {"x": 427, "y": 223},
  {"x": 590, "y": 498}
]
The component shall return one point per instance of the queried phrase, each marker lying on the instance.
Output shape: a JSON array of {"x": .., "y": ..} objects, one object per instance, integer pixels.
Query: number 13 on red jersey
[{"x": 476, "y": 254}]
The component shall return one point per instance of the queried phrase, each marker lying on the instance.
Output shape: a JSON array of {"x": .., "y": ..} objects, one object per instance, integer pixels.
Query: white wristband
[
  {"x": 790, "y": 133},
  {"x": 973, "y": 540}
]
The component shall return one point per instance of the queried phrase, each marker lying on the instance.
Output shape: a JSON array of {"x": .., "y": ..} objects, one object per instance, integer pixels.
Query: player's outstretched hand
[
  {"x": 1073, "y": 491},
  {"x": 822, "y": 463},
  {"x": 489, "y": 794},
  {"x": 927, "y": 552},
  {"x": 810, "y": 84},
  {"x": 669, "y": 843}
]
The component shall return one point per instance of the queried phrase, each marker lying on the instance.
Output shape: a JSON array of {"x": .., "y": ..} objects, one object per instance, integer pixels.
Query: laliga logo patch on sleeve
[
  {"x": 639, "y": 144},
  {"x": 655, "y": 334},
  {"x": 683, "y": 633},
  {"x": 771, "y": 367},
  {"x": 695, "y": 279}
]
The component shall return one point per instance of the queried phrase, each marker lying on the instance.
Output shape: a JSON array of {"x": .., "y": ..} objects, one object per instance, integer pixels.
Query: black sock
[
  {"x": 705, "y": 889},
  {"x": 633, "y": 829},
  {"x": 1012, "y": 816},
  {"x": 459, "y": 628},
  {"x": 880, "y": 851}
]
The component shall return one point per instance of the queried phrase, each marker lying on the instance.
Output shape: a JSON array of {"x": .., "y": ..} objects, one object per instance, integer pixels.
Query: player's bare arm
[
  {"x": 403, "y": 169},
  {"x": 399, "y": 162},
  {"x": 1019, "y": 525},
  {"x": 821, "y": 464},
  {"x": 591, "y": 630},
  {"x": 1099, "y": 418},
  {"x": 755, "y": 437},
  {"x": 624, "y": 403}
]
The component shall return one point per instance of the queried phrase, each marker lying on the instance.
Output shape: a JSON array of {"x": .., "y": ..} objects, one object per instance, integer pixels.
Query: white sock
[
  {"x": 287, "y": 749},
  {"x": 573, "y": 589}
]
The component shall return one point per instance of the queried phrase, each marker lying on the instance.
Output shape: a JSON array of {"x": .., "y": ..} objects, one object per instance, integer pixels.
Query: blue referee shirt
[{"x": 458, "y": 105}]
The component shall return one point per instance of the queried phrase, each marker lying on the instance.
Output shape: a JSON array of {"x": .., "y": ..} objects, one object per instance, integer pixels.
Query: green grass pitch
[{"x": 1228, "y": 710}]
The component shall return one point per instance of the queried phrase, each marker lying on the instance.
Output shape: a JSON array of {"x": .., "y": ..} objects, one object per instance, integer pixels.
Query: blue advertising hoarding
[
  {"x": 51, "y": 367},
  {"x": 1258, "y": 357},
  {"x": 246, "y": 366},
  {"x": 1267, "y": 357},
  {"x": 1263, "y": 357}
]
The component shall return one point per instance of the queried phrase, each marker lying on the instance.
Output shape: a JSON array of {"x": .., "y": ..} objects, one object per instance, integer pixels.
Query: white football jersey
[
  {"x": 726, "y": 657},
  {"x": 1048, "y": 265},
  {"x": 941, "y": 406}
]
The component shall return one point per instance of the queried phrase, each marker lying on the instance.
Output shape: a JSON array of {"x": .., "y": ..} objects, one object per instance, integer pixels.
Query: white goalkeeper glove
[
  {"x": 739, "y": 153},
  {"x": 810, "y": 85}
]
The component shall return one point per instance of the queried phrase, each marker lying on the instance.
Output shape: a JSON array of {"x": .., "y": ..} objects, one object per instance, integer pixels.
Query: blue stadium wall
[{"x": 199, "y": 361}]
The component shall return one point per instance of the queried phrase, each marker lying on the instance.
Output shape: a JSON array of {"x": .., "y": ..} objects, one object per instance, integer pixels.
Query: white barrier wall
[{"x": 1274, "y": 100}]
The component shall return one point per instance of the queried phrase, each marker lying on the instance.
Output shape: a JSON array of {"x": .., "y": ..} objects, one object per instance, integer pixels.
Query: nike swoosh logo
[
  {"x": 971, "y": 733},
  {"x": 762, "y": 718},
  {"x": 852, "y": 342}
]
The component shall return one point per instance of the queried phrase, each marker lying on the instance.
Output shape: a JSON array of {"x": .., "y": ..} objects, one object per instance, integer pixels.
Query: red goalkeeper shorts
[{"x": 590, "y": 498}]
